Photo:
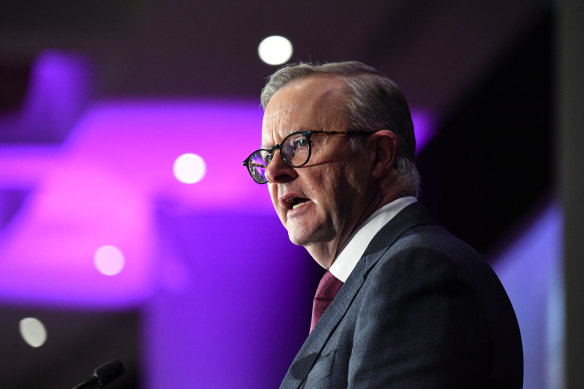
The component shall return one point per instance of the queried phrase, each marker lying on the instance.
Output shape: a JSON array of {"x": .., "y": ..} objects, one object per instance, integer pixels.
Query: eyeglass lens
[
  {"x": 295, "y": 150},
  {"x": 257, "y": 164}
]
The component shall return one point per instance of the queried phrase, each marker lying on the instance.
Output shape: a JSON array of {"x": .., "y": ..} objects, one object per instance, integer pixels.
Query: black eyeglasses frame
[{"x": 308, "y": 134}]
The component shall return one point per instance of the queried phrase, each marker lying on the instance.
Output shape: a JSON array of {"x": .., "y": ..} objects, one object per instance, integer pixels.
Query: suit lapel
[
  {"x": 413, "y": 215},
  {"x": 330, "y": 319}
]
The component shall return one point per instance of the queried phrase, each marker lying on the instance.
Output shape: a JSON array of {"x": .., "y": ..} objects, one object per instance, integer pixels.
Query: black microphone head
[{"x": 108, "y": 372}]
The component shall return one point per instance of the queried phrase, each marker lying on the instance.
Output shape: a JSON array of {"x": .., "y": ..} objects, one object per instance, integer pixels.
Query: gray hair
[{"x": 374, "y": 102}]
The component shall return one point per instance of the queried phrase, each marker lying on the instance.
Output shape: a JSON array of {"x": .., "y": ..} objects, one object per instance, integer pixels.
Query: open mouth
[{"x": 295, "y": 202}]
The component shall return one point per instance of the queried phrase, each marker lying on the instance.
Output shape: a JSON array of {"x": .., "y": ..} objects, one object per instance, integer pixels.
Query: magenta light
[
  {"x": 104, "y": 187},
  {"x": 59, "y": 88},
  {"x": 47, "y": 251},
  {"x": 424, "y": 127}
]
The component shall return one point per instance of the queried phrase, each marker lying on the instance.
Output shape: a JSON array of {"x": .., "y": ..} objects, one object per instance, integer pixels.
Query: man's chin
[
  {"x": 299, "y": 234},
  {"x": 298, "y": 239},
  {"x": 303, "y": 236}
]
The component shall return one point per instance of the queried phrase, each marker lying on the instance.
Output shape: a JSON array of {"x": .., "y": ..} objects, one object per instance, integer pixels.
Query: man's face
[{"x": 321, "y": 202}]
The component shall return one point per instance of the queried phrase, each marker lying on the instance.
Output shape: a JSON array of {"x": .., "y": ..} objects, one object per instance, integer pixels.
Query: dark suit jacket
[{"x": 420, "y": 310}]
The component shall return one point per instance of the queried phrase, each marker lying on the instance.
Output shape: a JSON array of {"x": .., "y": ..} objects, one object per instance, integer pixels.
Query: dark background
[{"x": 484, "y": 70}]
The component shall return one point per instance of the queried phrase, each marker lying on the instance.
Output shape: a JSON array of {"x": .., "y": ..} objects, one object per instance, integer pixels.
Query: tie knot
[{"x": 328, "y": 287}]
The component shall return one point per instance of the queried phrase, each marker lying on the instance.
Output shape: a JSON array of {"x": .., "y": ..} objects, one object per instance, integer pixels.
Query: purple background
[{"x": 213, "y": 294}]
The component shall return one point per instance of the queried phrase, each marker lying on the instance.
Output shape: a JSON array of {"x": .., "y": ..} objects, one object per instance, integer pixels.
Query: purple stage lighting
[{"x": 106, "y": 183}]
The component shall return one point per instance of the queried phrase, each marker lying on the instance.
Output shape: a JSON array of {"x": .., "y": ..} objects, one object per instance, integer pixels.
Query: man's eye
[{"x": 302, "y": 142}]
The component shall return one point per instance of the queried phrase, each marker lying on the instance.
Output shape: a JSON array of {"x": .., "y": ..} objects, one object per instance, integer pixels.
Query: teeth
[{"x": 299, "y": 204}]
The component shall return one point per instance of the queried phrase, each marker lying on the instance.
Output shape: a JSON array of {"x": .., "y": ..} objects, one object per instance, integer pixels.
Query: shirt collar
[{"x": 357, "y": 243}]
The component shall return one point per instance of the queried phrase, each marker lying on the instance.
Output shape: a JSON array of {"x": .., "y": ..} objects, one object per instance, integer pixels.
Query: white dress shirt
[{"x": 357, "y": 243}]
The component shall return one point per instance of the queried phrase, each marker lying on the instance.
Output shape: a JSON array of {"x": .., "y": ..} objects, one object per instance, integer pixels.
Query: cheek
[
  {"x": 274, "y": 197},
  {"x": 273, "y": 194},
  {"x": 341, "y": 187},
  {"x": 326, "y": 186}
]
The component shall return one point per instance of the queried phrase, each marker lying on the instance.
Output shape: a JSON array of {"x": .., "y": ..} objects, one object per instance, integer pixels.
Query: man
[{"x": 415, "y": 307}]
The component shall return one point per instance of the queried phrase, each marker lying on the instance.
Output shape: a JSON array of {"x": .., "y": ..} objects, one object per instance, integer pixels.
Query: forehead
[{"x": 311, "y": 103}]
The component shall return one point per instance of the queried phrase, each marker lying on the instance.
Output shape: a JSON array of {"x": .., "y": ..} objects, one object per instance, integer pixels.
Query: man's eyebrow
[{"x": 300, "y": 129}]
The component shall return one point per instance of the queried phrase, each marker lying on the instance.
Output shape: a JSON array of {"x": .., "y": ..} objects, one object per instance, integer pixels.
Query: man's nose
[{"x": 278, "y": 171}]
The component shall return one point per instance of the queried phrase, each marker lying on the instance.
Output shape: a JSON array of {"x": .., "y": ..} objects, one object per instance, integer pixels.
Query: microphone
[{"x": 103, "y": 375}]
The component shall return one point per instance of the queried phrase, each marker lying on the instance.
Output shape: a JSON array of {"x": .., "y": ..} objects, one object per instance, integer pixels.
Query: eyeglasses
[{"x": 295, "y": 151}]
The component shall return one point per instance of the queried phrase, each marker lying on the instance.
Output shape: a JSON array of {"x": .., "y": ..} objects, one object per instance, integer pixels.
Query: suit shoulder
[{"x": 435, "y": 242}]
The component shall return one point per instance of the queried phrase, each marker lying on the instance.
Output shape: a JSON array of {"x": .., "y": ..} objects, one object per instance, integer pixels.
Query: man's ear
[{"x": 384, "y": 146}]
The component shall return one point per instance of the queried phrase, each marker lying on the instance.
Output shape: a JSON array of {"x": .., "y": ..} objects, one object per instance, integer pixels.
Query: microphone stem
[{"x": 87, "y": 384}]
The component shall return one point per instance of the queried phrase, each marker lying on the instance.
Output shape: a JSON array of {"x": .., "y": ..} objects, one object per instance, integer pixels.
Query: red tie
[{"x": 327, "y": 289}]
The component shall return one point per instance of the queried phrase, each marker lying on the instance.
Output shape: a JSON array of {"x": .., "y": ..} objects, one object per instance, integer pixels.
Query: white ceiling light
[
  {"x": 33, "y": 331},
  {"x": 275, "y": 50}
]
